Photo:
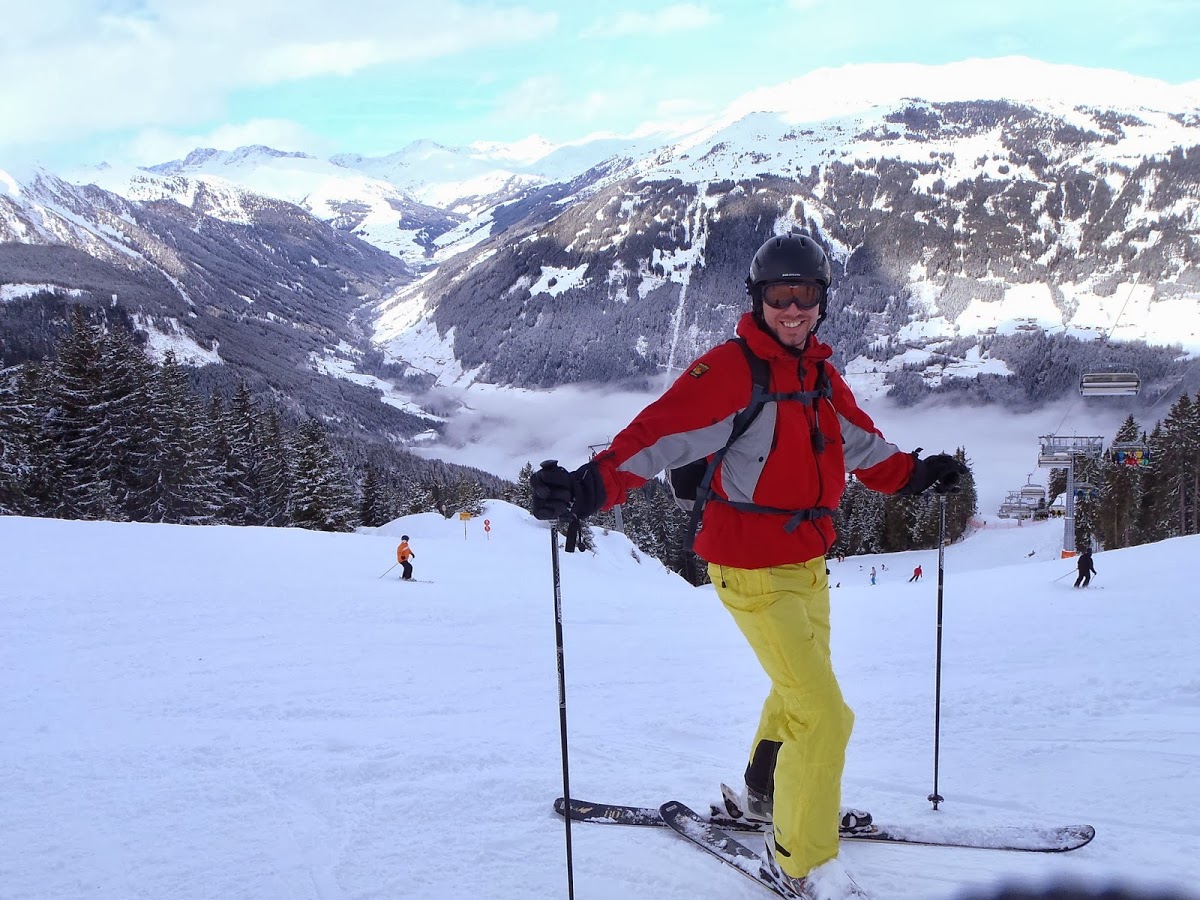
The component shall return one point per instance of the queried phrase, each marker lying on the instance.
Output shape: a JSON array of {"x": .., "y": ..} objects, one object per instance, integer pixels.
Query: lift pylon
[{"x": 1061, "y": 452}]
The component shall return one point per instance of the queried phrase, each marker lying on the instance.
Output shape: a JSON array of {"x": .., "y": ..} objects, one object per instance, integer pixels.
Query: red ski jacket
[{"x": 773, "y": 464}]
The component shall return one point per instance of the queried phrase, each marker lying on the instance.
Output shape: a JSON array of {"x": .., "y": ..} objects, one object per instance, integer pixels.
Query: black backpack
[{"x": 691, "y": 482}]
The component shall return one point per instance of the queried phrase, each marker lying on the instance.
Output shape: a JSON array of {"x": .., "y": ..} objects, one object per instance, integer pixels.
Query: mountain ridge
[{"x": 960, "y": 230}]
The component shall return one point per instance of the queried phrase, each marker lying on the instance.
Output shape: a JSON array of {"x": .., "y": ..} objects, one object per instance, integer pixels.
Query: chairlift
[
  {"x": 1109, "y": 384},
  {"x": 1059, "y": 452},
  {"x": 1016, "y": 506},
  {"x": 1134, "y": 454},
  {"x": 1032, "y": 493},
  {"x": 1011, "y": 507},
  {"x": 1085, "y": 490}
]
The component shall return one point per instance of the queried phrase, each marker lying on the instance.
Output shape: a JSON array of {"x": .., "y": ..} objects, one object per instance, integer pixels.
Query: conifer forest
[{"x": 98, "y": 431}]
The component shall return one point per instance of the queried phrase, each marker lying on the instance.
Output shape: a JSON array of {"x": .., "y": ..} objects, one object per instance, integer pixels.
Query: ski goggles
[{"x": 782, "y": 294}]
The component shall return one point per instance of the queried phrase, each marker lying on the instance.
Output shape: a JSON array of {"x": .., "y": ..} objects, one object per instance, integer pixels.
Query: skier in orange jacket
[{"x": 403, "y": 555}]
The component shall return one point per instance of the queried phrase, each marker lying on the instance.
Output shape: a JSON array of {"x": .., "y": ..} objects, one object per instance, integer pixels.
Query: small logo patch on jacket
[{"x": 698, "y": 370}]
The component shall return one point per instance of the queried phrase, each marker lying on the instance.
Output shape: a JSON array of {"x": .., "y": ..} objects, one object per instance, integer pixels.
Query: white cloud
[
  {"x": 551, "y": 97},
  {"x": 680, "y": 17},
  {"x": 73, "y": 69},
  {"x": 560, "y": 100}
]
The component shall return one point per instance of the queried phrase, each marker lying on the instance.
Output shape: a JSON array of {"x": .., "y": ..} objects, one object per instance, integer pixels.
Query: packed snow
[{"x": 198, "y": 713}]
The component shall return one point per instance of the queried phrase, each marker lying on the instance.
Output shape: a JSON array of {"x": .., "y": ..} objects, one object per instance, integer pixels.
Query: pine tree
[
  {"x": 244, "y": 464},
  {"x": 1191, "y": 455},
  {"x": 521, "y": 495},
  {"x": 963, "y": 504},
  {"x": 182, "y": 486},
  {"x": 275, "y": 467},
  {"x": 75, "y": 422},
  {"x": 1153, "y": 518},
  {"x": 127, "y": 407},
  {"x": 469, "y": 496},
  {"x": 15, "y": 428},
  {"x": 1120, "y": 493},
  {"x": 321, "y": 495},
  {"x": 42, "y": 482},
  {"x": 1174, "y": 462},
  {"x": 417, "y": 496},
  {"x": 1087, "y": 500},
  {"x": 860, "y": 520},
  {"x": 639, "y": 521},
  {"x": 900, "y": 517},
  {"x": 372, "y": 510},
  {"x": 231, "y": 495}
]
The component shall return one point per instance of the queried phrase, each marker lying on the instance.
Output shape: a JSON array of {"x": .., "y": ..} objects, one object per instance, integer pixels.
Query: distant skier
[
  {"x": 872, "y": 574},
  {"x": 916, "y": 576},
  {"x": 1086, "y": 569},
  {"x": 403, "y": 555}
]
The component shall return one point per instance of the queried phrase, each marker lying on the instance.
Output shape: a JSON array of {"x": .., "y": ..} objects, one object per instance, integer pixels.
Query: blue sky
[{"x": 144, "y": 81}]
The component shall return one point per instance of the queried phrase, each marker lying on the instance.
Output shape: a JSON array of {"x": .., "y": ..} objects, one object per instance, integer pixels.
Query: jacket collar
[{"x": 765, "y": 346}]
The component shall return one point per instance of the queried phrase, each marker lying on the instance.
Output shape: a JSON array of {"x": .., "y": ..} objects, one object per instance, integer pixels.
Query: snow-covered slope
[{"x": 247, "y": 713}]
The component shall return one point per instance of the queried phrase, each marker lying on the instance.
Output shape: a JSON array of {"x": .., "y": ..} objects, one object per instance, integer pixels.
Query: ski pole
[
  {"x": 935, "y": 797},
  {"x": 562, "y": 703},
  {"x": 392, "y": 566}
]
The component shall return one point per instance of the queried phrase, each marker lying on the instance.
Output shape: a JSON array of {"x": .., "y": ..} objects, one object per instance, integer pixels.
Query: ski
[
  {"x": 1034, "y": 839},
  {"x": 616, "y": 814},
  {"x": 721, "y": 844}
]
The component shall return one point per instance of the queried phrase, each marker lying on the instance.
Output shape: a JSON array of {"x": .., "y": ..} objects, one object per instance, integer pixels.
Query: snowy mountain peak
[
  {"x": 525, "y": 152},
  {"x": 210, "y": 158},
  {"x": 9, "y": 185},
  {"x": 830, "y": 92}
]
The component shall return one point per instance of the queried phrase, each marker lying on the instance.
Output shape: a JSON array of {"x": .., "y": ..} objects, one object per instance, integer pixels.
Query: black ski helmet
[
  {"x": 404, "y": 537},
  {"x": 788, "y": 257}
]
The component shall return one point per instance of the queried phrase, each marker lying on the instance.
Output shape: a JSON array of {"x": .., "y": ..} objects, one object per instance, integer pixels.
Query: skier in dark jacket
[
  {"x": 765, "y": 532},
  {"x": 1086, "y": 569}
]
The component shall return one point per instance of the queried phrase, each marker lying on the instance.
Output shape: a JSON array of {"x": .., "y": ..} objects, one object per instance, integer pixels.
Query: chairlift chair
[
  {"x": 1060, "y": 451},
  {"x": 1109, "y": 384},
  {"x": 1033, "y": 493},
  {"x": 1134, "y": 454},
  {"x": 1011, "y": 507},
  {"x": 1053, "y": 455}
]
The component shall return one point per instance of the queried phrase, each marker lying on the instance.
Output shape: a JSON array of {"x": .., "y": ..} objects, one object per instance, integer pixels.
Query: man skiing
[
  {"x": 765, "y": 532},
  {"x": 916, "y": 575},
  {"x": 1086, "y": 569},
  {"x": 403, "y": 555}
]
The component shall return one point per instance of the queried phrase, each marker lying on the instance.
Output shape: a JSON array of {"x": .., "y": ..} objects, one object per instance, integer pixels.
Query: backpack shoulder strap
[{"x": 760, "y": 389}]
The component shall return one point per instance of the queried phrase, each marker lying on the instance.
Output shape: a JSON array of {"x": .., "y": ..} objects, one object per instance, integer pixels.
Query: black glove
[
  {"x": 941, "y": 472},
  {"x": 557, "y": 492}
]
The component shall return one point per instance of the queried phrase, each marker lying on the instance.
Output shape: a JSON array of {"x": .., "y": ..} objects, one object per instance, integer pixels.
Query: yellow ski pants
[{"x": 784, "y": 613}]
